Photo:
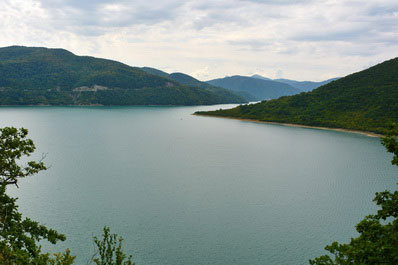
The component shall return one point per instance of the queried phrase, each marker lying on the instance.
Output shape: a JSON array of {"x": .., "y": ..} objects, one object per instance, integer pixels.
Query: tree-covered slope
[
  {"x": 367, "y": 101},
  {"x": 154, "y": 71},
  {"x": 56, "y": 76},
  {"x": 187, "y": 80},
  {"x": 191, "y": 81},
  {"x": 260, "y": 89}
]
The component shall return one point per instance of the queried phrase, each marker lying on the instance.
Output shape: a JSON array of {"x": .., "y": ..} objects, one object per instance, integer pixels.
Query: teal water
[{"x": 184, "y": 189}]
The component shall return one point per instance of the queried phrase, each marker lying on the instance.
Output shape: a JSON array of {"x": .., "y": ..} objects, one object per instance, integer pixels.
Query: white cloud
[{"x": 306, "y": 39}]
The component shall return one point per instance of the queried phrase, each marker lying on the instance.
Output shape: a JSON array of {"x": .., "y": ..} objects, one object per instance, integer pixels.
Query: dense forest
[
  {"x": 33, "y": 76},
  {"x": 366, "y": 100}
]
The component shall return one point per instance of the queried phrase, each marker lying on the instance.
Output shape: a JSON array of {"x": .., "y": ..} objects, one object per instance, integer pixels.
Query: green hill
[
  {"x": 191, "y": 81},
  {"x": 58, "y": 77},
  {"x": 366, "y": 101},
  {"x": 154, "y": 71},
  {"x": 188, "y": 80},
  {"x": 259, "y": 89}
]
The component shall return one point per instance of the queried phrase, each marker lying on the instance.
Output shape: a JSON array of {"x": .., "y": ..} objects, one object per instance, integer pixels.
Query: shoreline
[
  {"x": 102, "y": 105},
  {"x": 369, "y": 134},
  {"x": 48, "y": 105}
]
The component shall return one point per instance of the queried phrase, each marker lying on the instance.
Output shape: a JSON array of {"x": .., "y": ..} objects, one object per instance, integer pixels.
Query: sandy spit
[{"x": 369, "y": 134}]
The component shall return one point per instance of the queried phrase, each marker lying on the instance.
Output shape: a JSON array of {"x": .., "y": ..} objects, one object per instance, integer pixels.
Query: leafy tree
[
  {"x": 19, "y": 238},
  {"x": 378, "y": 240},
  {"x": 14, "y": 145},
  {"x": 110, "y": 250},
  {"x": 62, "y": 259},
  {"x": 391, "y": 143}
]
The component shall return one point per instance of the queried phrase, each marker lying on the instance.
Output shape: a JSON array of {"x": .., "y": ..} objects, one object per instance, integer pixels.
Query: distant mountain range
[
  {"x": 366, "y": 101},
  {"x": 188, "y": 80},
  {"x": 34, "y": 76},
  {"x": 305, "y": 86},
  {"x": 255, "y": 89}
]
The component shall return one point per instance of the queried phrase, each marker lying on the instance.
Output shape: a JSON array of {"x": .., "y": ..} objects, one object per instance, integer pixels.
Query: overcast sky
[{"x": 297, "y": 39}]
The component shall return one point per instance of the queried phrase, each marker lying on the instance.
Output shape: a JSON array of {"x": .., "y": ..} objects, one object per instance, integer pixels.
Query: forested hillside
[
  {"x": 58, "y": 77},
  {"x": 188, "y": 80},
  {"x": 367, "y": 101}
]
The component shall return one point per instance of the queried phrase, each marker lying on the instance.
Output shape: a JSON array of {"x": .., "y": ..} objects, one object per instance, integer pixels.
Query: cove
[{"x": 186, "y": 189}]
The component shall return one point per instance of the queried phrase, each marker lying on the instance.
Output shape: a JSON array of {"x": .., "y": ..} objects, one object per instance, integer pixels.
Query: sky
[{"x": 296, "y": 39}]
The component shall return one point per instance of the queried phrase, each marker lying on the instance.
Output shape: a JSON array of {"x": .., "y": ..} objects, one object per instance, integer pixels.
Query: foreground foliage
[
  {"x": 378, "y": 239},
  {"x": 20, "y": 237},
  {"x": 110, "y": 250},
  {"x": 366, "y": 101}
]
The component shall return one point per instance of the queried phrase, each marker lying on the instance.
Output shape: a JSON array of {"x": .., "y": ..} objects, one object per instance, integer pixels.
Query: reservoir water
[{"x": 187, "y": 190}]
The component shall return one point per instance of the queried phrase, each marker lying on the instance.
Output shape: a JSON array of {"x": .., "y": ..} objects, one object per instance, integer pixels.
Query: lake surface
[{"x": 184, "y": 189}]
